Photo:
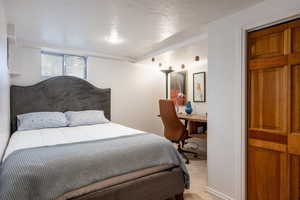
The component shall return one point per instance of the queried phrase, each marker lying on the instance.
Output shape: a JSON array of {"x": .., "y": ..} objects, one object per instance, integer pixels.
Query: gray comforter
[{"x": 48, "y": 172}]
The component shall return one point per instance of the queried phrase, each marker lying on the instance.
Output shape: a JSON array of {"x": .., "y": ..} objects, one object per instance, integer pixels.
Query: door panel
[
  {"x": 267, "y": 43},
  {"x": 294, "y": 61},
  {"x": 268, "y": 100},
  {"x": 295, "y": 177},
  {"x": 294, "y": 136},
  {"x": 295, "y": 97},
  {"x": 273, "y": 155},
  {"x": 296, "y": 39},
  {"x": 263, "y": 180},
  {"x": 295, "y": 29}
]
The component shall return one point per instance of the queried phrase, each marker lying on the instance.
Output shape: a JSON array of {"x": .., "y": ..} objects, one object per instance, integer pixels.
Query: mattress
[
  {"x": 162, "y": 181},
  {"x": 54, "y": 136}
]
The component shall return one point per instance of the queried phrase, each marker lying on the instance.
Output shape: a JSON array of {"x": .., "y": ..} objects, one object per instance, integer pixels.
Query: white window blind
[
  {"x": 52, "y": 65},
  {"x": 75, "y": 66},
  {"x": 60, "y": 64}
]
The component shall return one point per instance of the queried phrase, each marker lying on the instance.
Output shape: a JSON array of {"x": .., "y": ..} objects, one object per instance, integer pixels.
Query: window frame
[{"x": 63, "y": 55}]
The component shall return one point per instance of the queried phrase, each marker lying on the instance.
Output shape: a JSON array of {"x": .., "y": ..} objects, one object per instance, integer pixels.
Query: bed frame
[
  {"x": 60, "y": 94},
  {"x": 66, "y": 93}
]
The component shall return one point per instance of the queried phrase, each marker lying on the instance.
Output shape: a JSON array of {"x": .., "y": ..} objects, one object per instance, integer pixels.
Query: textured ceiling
[
  {"x": 184, "y": 55},
  {"x": 136, "y": 25}
]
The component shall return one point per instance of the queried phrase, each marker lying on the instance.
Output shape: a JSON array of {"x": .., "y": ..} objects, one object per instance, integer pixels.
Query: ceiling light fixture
[{"x": 114, "y": 37}]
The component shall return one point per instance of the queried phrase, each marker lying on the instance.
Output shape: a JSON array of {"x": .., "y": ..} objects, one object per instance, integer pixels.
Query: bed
[{"x": 153, "y": 179}]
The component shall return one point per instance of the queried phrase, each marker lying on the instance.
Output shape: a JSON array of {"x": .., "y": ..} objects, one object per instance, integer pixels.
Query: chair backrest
[{"x": 174, "y": 129}]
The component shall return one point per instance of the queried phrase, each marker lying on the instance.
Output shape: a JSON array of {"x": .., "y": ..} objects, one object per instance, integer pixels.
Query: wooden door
[{"x": 273, "y": 149}]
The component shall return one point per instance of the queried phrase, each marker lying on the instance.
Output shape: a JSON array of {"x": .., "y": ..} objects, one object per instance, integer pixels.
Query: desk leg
[
  {"x": 191, "y": 127},
  {"x": 186, "y": 122}
]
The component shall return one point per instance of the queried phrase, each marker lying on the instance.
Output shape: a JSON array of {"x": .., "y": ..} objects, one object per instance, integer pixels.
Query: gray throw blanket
[{"x": 45, "y": 173}]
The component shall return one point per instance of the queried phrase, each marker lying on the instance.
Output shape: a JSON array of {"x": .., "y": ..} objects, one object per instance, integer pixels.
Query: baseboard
[{"x": 218, "y": 194}]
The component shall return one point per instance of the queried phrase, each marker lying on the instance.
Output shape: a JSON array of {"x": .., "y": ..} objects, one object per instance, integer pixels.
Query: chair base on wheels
[{"x": 182, "y": 152}]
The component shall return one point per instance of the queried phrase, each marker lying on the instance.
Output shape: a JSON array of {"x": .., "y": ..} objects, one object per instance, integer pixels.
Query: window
[{"x": 54, "y": 64}]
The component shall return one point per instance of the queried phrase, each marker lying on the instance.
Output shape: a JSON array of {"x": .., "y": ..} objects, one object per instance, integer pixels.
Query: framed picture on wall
[
  {"x": 178, "y": 87},
  {"x": 199, "y": 87}
]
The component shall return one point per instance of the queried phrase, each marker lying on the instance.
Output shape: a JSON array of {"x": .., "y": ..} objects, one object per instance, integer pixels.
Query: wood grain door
[{"x": 273, "y": 150}]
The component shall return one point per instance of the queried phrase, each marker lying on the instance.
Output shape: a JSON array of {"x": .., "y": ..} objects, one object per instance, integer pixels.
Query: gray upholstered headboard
[{"x": 61, "y": 94}]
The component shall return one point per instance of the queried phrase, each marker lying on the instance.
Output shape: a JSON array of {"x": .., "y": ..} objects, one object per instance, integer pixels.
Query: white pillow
[
  {"x": 87, "y": 117},
  {"x": 40, "y": 120}
]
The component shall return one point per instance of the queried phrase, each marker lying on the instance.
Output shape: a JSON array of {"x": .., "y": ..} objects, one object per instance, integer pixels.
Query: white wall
[
  {"x": 136, "y": 90},
  {"x": 4, "y": 84},
  {"x": 226, "y": 93},
  {"x": 26, "y": 62}
]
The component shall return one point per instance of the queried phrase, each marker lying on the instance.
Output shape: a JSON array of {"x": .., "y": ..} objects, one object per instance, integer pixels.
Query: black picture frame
[{"x": 194, "y": 87}]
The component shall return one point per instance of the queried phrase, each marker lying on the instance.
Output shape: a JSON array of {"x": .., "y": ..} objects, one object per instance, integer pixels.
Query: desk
[{"x": 192, "y": 122}]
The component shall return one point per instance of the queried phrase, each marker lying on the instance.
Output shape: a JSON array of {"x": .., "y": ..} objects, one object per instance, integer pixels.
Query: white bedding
[{"x": 53, "y": 136}]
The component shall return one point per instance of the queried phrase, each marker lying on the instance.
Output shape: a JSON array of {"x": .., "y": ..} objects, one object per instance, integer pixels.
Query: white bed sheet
[{"x": 53, "y": 136}]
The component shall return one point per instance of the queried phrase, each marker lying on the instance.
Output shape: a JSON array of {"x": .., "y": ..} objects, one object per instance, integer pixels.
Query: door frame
[{"x": 241, "y": 148}]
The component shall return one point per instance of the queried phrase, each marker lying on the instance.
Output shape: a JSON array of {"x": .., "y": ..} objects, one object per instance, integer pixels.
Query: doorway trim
[{"x": 241, "y": 154}]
